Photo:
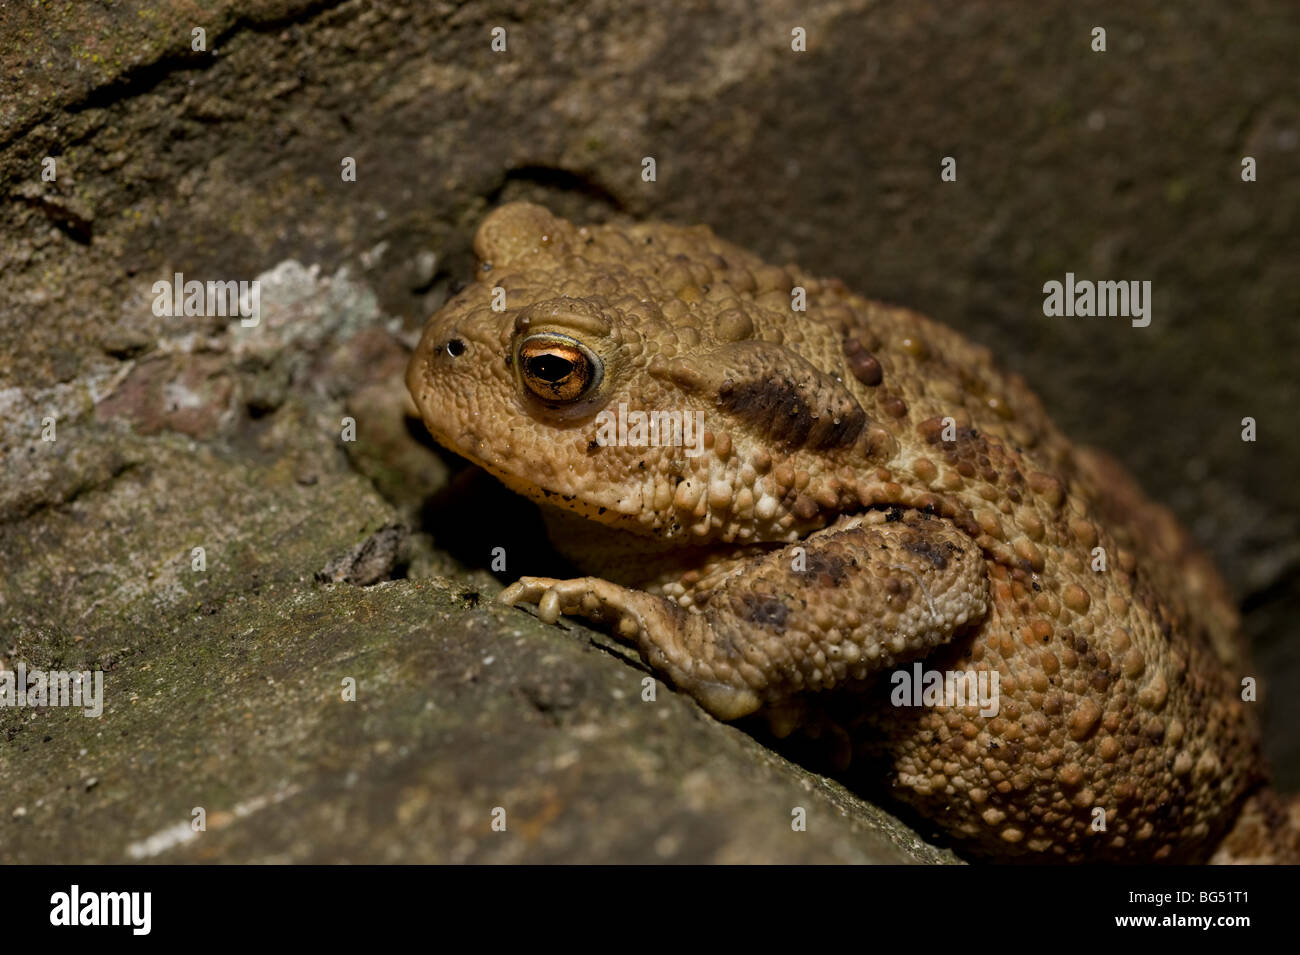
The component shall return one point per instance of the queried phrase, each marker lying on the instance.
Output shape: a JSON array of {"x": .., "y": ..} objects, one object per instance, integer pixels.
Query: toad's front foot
[
  {"x": 590, "y": 597},
  {"x": 670, "y": 640}
]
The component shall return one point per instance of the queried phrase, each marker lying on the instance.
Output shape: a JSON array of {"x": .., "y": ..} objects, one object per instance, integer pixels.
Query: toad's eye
[{"x": 558, "y": 368}]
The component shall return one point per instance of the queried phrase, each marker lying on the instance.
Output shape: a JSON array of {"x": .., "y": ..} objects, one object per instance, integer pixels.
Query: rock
[
  {"x": 374, "y": 559},
  {"x": 461, "y": 707}
]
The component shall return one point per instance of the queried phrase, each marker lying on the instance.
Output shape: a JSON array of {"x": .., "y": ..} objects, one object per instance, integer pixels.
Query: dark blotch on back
[
  {"x": 832, "y": 568},
  {"x": 787, "y": 413},
  {"x": 764, "y": 610},
  {"x": 927, "y": 549}
]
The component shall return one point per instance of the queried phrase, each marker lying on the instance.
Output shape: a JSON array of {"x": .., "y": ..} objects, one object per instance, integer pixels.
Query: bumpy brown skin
[{"x": 836, "y": 526}]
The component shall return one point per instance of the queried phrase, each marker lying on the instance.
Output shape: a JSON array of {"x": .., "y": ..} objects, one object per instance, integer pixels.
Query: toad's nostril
[{"x": 455, "y": 347}]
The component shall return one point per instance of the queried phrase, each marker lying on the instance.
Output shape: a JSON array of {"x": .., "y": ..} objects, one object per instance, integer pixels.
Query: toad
[{"x": 863, "y": 493}]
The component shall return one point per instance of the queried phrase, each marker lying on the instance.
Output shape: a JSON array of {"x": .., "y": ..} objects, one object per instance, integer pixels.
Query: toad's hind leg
[{"x": 858, "y": 597}]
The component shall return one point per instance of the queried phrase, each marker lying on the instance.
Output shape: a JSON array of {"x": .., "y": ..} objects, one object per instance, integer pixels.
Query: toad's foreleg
[{"x": 853, "y": 599}]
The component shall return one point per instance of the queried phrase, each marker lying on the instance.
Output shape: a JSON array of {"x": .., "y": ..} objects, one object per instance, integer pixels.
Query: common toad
[{"x": 865, "y": 489}]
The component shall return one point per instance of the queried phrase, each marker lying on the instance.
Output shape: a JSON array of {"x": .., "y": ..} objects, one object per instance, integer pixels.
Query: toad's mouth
[{"x": 549, "y": 484}]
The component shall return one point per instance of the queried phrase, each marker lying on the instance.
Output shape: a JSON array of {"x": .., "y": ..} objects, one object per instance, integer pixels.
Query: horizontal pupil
[{"x": 550, "y": 367}]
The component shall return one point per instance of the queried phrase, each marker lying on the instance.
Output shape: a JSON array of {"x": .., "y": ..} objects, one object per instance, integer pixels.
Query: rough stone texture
[
  {"x": 460, "y": 708},
  {"x": 176, "y": 432}
]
